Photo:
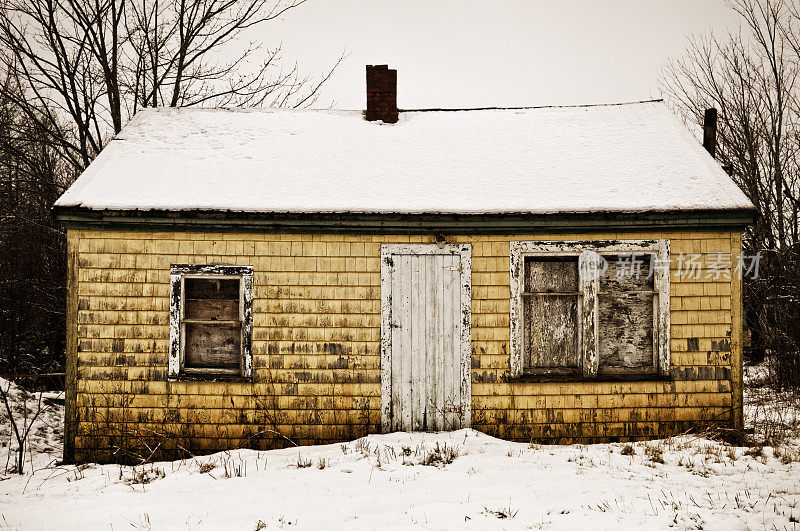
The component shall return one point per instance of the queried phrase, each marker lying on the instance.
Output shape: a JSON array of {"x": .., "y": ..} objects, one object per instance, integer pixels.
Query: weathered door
[{"x": 425, "y": 337}]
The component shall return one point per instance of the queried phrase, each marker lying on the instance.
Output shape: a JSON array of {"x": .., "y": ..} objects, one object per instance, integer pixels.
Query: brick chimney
[
  {"x": 381, "y": 94},
  {"x": 710, "y": 131}
]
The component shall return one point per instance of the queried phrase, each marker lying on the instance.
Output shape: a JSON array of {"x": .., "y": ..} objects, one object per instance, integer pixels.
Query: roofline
[
  {"x": 528, "y": 107},
  {"x": 424, "y": 109},
  {"x": 354, "y": 223}
]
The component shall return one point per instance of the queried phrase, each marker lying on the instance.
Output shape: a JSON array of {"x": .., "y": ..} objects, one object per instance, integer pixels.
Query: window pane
[
  {"x": 215, "y": 346},
  {"x": 627, "y": 273},
  {"x": 211, "y": 299},
  {"x": 551, "y": 321},
  {"x": 626, "y": 315},
  {"x": 551, "y": 274}
]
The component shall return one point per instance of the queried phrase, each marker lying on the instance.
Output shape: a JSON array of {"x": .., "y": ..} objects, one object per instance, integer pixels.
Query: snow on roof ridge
[{"x": 533, "y": 107}]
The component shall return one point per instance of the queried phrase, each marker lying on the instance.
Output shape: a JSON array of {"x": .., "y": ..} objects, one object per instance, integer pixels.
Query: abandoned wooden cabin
[{"x": 550, "y": 274}]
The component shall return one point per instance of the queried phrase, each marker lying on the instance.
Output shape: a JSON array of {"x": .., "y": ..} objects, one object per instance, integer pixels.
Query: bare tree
[
  {"x": 752, "y": 77},
  {"x": 72, "y": 73},
  {"x": 32, "y": 251},
  {"x": 86, "y": 67}
]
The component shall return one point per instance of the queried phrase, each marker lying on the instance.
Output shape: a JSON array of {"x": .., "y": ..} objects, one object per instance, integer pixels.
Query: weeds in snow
[
  {"x": 628, "y": 450},
  {"x": 655, "y": 453},
  {"x": 207, "y": 467},
  {"x": 787, "y": 455},
  {"x": 281, "y": 522},
  {"x": 502, "y": 512},
  {"x": 440, "y": 455},
  {"x": 755, "y": 451},
  {"x": 143, "y": 475},
  {"x": 233, "y": 469},
  {"x": 302, "y": 462},
  {"x": 731, "y": 453},
  {"x": 362, "y": 446},
  {"x": 77, "y": 472},
  {"x": 143, "y": 523}
]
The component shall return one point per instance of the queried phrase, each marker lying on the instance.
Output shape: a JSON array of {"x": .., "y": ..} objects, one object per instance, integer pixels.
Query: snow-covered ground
[{"x": 461, "y": 479}]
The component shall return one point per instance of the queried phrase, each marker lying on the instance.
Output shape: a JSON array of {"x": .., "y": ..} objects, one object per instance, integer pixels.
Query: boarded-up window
[
  {"x": 626, "y": 315},
  {"x": 588, "y": 308},
  {"x": 211, "y": 320},
  {"x": 211, "y": 323},
  {"x": 550, "y": 308}
]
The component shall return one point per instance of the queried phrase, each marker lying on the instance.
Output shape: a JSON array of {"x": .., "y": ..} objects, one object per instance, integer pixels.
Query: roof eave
[{"x": 226, "y": 221}]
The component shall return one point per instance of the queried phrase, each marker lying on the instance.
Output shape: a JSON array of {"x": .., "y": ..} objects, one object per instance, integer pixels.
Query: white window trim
[
  {"x": 178, "y": 273},
  {"x": 587, "y": 252}
]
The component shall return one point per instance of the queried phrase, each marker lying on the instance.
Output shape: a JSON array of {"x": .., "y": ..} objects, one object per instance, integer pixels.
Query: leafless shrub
[
  {"x": 773, "y": 415},
  {"x": 20, "y": 428},
  {"x": 727, "y": 435}
]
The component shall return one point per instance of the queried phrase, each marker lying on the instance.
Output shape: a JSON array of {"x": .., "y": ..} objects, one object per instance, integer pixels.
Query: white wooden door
[{"x": 425, "y": 337}]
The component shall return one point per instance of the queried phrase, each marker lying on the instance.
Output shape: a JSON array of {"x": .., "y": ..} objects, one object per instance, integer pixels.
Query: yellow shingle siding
[{"x": 316, "y": 340}]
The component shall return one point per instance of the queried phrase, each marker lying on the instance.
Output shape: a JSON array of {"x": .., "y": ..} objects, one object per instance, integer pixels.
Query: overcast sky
[{"x": 469, "y": 53}]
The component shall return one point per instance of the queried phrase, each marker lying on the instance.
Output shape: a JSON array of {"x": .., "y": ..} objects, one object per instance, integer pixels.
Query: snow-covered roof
[{"x": 614, "y": 158}]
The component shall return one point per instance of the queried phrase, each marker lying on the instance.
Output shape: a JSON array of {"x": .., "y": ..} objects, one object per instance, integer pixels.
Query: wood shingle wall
[{"x": 316, "y": 336}]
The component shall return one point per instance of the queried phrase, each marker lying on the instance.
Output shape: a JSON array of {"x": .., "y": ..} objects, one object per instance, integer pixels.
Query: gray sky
[{"x": 480, "y": 53}]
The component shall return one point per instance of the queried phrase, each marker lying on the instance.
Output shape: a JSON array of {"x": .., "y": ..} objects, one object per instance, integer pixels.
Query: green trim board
[{"x": 215, "y": 221}]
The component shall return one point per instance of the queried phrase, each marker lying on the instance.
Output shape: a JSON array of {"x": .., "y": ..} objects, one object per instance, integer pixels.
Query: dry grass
[
  {"x": 302, "y": 461},
  {"x": 655, "y": 452},
  {"x": 628, "y": 450},
  {"x": 144, "y": 475}
]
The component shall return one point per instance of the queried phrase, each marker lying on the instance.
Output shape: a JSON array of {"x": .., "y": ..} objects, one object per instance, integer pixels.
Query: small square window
[{"x": 211, "y": 320}]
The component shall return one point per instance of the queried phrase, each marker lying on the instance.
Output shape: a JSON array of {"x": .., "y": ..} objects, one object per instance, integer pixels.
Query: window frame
[
  {"x": 178, "y": 274},
  {"x": 588, "y": 253}
]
